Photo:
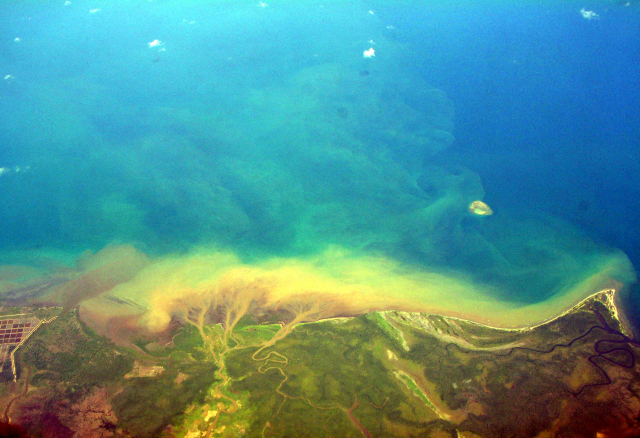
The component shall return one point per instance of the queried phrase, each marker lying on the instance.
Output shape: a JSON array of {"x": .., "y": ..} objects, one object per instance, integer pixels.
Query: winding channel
[{"x": 623, "y": 344}]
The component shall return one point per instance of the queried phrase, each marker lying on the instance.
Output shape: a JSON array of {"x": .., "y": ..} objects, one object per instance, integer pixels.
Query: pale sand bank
[
  {"x": 337, "y": 283},
  {"x": 121, "y": 282}
]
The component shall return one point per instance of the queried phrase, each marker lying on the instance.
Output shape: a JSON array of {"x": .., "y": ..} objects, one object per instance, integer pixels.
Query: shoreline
[
  {"x": 340, "y": 282},
  {"x": 609, "y": 297},
  {"x": 608, "y": 300}
]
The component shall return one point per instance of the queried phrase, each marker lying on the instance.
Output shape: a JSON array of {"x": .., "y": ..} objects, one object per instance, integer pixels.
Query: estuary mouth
[{"x": 120, "y": 283}]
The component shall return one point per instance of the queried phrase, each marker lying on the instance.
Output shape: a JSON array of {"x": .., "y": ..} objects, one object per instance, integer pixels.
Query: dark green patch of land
[
  {"x": 69, "y": 366},
  {"x": 377, "y": 375}
]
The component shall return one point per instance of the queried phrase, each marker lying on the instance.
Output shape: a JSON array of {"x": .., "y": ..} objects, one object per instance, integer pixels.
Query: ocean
[{"x": 333, "y": 144}]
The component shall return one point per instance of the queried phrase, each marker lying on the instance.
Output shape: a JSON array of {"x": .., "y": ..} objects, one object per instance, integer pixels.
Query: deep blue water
[
  {"x": 264, "y": 129},
  {"x": 546, "y": 108}
]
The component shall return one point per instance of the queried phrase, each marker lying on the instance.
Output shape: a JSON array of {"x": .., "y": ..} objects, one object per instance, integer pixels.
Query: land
[{"x": 383, "y": 374}]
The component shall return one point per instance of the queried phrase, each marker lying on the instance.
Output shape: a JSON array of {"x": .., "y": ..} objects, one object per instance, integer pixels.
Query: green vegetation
[
  {"x": 147, "y": 405},
  {"x": 411, "y": 384},
  {"x": 391, "y": 332},
  {"x": 345, "y": 377},
  {"x": 321, "y": 369},
  {"x": 65, "y": 350},
  {"x": 10, "y": 310},
  {"x": 71, "y": 360}
]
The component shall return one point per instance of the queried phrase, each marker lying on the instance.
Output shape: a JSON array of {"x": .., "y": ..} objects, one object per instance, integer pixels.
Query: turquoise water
[{"x": 285, "y": 128}]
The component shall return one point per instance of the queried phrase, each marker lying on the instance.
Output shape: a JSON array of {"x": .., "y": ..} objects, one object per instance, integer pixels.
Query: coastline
[
  {"x": 625, "y": 322},
  {"x": 608, "y": 297},
  {"x": 605, "y": 296}
]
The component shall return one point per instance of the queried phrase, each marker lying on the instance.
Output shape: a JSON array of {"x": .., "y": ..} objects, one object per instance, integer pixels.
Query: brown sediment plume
[
  {"x": 117, "y": 320},
  {"x": 99, "y": 273},
  {"x": 215, "y": 287},
  {"x": 303, "y": 310},
  {"x": 203, "y": 289},
  {"x": 225, "y": 301}
]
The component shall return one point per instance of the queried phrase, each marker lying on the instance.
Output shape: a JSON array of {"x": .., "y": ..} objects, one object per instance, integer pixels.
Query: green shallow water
[{"x": 267, "y": 134}]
